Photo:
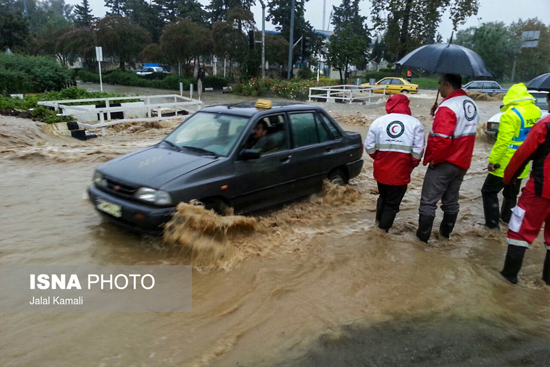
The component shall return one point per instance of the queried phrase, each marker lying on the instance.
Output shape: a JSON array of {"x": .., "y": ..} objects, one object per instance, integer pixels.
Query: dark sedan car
[
  {"x": 209, "y": 158},
  {"x": 485, "y": 86}
]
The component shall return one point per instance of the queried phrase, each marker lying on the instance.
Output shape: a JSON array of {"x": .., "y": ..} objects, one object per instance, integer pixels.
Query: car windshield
[{"x": 208, "y": 133}]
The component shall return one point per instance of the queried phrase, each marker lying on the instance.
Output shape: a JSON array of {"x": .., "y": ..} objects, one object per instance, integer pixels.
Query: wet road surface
[{"x": 310, "y": 284}]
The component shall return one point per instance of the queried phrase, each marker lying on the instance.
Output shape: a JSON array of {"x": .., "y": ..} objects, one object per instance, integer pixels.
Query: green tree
[
  {"x": 45, "y": 44},
  {"x": 78, "y": 42},
  {"x": 116, "y": 7},
  {"x": 496, "y": 45},
  {"x": 121, "y": 39},
  {"x": 219, "y": 9},
  {"x": 152, "y": 53},
  {"x": 193, "y": 10},
  {"x": 83, "y": 15},
  {"x": 412, "y": 23},
  {"x": 276, "y": 51},
  {"x": 279, "y": 15},
  {"x": 350, "y": 42},
  {"x": 185, "y": 41},
  {"x": 14, "y": 29},
  {"x": 145, "y": 15},
  {"x": 532, "y": 61}
]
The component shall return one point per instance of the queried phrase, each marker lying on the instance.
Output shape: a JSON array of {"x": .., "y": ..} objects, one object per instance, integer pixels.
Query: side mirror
[{"x": 248, "y": 154}]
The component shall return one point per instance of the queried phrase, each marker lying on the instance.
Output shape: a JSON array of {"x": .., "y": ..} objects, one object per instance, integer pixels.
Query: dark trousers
[
  {"x": 390, "y": 199},
  {"x": 491, "y": 187},
  {"x": 442, "y": 182}
]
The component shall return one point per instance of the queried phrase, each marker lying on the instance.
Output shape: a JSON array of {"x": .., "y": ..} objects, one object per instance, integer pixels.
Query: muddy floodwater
[{"x": 313, "y": 283}]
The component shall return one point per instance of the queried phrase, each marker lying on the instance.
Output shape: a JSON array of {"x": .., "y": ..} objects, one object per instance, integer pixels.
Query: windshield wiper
[
  {"x": 200, "y": 150},
  {"x": 172, "y": 145}
]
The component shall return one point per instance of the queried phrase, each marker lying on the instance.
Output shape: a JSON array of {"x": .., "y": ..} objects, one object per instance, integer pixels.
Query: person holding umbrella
[
  {"x": 533, "y": 207},
  {"x": 448, "y": 154},
  {"x": 519, "y": 115},
  {"x": 396, "y": 143}
]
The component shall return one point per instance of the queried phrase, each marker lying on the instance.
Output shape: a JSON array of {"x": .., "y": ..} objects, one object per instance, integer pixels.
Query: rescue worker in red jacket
[
  {"x": 448, "y": 154},
  {"x": 533, "y": 207},
  {"x": 396, "y": 143}
]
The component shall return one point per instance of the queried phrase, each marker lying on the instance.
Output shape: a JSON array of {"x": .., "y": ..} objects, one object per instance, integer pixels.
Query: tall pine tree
[
  {"x": 219, "y": 9},
  {"x": 83, "y": 15},
  {"x": 117, "y": 7},
  {"x": 350, "y": 42}
]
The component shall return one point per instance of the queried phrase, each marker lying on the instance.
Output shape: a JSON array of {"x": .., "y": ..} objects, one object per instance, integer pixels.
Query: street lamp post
[
  {"x": 263, "y": 38},
  {"x": 291, "y": 38}
]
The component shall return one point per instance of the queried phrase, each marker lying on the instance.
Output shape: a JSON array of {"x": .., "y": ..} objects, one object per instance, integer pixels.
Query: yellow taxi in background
[{"x": 393, "y": 86}]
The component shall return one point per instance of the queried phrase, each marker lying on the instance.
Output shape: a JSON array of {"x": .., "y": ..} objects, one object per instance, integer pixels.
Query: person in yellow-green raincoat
[{"x": 519, "y": 114}]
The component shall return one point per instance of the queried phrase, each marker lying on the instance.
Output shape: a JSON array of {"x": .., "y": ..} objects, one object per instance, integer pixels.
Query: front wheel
[
  {"x": 337, "y": 177},
  {"x": 219, "y": 206}
]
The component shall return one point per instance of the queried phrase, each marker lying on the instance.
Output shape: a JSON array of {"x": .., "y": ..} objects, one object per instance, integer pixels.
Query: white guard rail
[
  {"x": 345, "y": 93},
  {"x": 142, "y": 111}
]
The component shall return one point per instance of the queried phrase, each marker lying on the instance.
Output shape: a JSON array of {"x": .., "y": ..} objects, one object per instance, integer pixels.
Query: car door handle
[
  {"x": 285, "y": 159},
  {"x": 328, "y": 149}
]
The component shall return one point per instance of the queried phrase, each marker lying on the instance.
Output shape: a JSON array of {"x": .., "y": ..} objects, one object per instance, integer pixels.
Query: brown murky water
[{"x": 310, "y": 284}]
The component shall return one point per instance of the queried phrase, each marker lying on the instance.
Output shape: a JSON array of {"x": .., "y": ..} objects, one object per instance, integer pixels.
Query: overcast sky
[{"x": 506, "y": 11}]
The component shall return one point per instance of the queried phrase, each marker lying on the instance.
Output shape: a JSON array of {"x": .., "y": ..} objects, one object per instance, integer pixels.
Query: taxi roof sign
[{"x": 264, "y": 103}]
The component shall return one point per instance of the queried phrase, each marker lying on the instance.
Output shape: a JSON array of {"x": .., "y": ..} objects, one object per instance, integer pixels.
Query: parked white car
[
  {"x": 151, "y": 70},
  {"x": 541, "y": 102}
]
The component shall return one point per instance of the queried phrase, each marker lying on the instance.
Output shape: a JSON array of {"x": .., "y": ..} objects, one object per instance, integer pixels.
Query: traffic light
[
  {"x": 306, "y": 47},
  {"x": 251, "y": 40}
]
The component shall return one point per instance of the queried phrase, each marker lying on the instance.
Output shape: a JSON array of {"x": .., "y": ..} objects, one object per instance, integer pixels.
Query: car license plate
[{"x": 109, "y": 208}]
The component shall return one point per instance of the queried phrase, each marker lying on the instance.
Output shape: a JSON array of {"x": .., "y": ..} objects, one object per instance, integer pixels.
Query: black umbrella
[
  {"x": 541, "y": 82},
  {"x": 447, "y": 58}
]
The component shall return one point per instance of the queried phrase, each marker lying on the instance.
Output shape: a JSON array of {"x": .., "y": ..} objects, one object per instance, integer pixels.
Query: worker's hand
[
  {"x": 431, "y": 164},
  {"x": 432, "y": 110},
  {"x": 491, "y": 167}
]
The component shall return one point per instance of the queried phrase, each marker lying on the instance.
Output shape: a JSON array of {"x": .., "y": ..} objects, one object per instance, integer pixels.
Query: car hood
[{"x": 153, "y": 167}]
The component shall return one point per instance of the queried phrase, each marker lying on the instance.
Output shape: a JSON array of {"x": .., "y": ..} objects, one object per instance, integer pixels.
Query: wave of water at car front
[{"x": 210, "y": 241}]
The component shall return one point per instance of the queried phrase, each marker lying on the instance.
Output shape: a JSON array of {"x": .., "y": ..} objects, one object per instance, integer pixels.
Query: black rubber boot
[
  {"x": 386, "y": 220},
  {"x": 546, "y": 269},
  {"x": 491, "y": 210},
  {"x": 447, "y": 225},
  {"x": 379, "y": 207},
  {"x": 506, "y": 210},
  {"x": 512, "y": 263},
  {"x": 425, "y": 224}
]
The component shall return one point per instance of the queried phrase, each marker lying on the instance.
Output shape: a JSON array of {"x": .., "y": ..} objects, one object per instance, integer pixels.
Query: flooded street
[{"x": 314, "y": 283}]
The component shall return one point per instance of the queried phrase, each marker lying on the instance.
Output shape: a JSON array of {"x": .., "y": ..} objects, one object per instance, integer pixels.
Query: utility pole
[
  {"x": 291, "y": 38},
  {"x": 263, "y": 38},
  {"x": 324, "y": 13}
]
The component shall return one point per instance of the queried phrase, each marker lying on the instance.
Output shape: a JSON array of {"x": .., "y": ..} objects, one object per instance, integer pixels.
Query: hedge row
[
  {"x": 31, "y": 74},
  {"x": 292, "y": 89},
  {"x": 157, "y": 80},
  {"x": 21, "y": 106}
]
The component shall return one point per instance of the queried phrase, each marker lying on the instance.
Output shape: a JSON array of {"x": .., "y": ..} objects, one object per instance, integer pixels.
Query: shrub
[
  {"x": 215, "y": 81},
  {"x": 18, "y": 106},
  {"x": 305, "y": 73},
  {"x": 292, "y": 89},
  {"x": 88, "y": 76},
  {"x": 166, "y": 81},
  {"x": 31, "y": 74}
]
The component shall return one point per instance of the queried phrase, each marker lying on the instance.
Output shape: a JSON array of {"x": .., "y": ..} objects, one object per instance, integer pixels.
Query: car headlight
[
  {"x": 158, "y": 197},
  {"x": 99, "y": 180}
]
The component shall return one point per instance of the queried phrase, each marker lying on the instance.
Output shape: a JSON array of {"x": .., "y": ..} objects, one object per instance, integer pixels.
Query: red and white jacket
[
  {"x": 453, "y": 132},
  {"x": 395, "y": 142},
  {"x": 536, "y": 147}
]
